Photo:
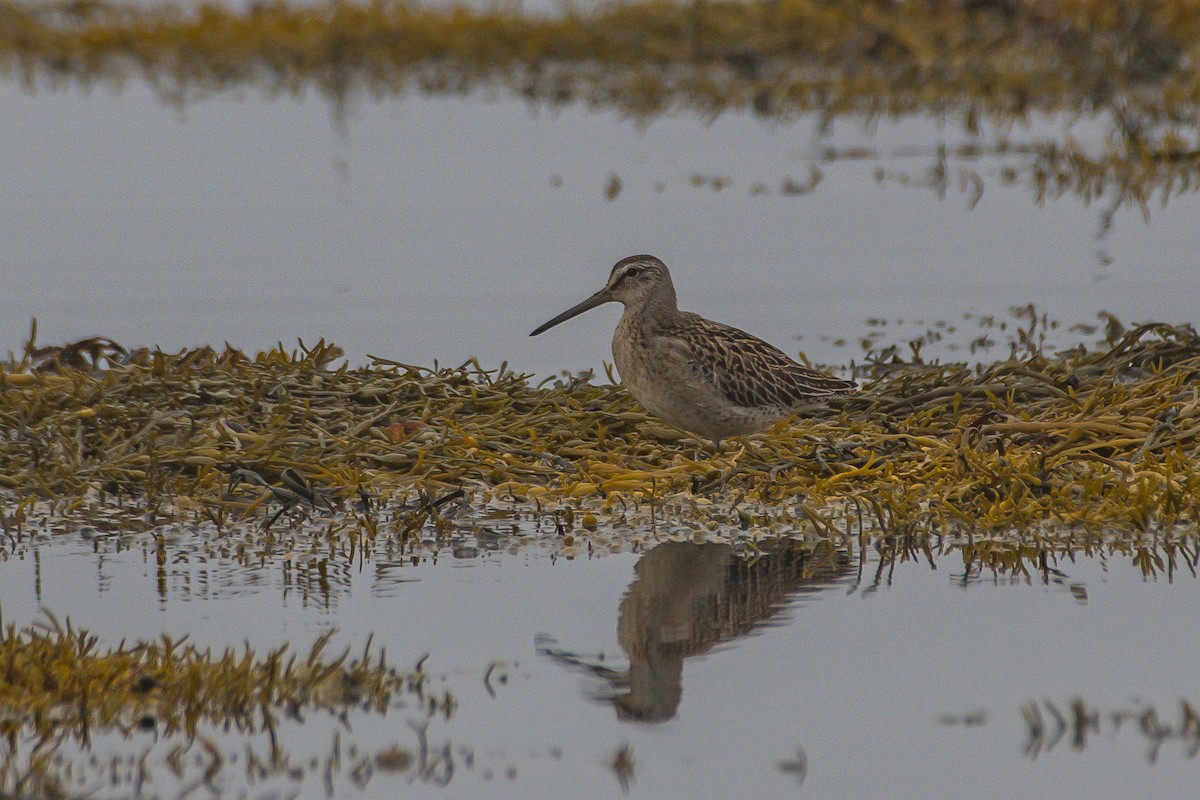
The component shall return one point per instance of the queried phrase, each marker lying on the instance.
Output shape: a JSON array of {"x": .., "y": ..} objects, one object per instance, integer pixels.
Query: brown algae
[
  {"x": 1037, "y": 448},
  {"x": 176, "y": 705}
]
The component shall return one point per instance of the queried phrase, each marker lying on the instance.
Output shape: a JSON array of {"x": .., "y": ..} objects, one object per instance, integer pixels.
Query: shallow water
[
  {"x": 439, "y": 229},
  {"x": 906, "y": 680}
]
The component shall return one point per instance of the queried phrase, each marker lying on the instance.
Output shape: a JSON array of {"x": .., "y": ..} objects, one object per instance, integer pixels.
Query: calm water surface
[
  {"x": 442, "y": 229},
  {"x": 713, "y": 671}
]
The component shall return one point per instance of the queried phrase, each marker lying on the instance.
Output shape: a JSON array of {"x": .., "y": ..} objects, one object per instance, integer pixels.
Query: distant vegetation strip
[
  {"x": 1133, "y": 65},
  {"x": 779, "y": 57}
]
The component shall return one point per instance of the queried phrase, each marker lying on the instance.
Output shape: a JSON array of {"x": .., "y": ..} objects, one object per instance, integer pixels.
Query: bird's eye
[{"x": 632, "y": 272}]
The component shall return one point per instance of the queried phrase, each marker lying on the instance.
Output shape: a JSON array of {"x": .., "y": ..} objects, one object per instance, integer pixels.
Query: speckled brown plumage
[
  {"x": 698, "y": 375},
  {"x": 748, "y": 371}
]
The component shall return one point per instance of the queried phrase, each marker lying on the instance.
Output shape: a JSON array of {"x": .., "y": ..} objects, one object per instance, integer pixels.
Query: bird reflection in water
[{"x": 688, "y": 598}]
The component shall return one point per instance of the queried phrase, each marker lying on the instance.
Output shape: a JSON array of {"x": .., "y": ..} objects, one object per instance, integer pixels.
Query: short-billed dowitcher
[{"x": 700, "y": 376}]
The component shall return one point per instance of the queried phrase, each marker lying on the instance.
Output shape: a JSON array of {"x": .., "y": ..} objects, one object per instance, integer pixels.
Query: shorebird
[{"x": 700, "y": 376}]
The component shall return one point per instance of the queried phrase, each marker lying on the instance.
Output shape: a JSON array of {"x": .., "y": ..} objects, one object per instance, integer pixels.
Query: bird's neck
[{"x": 653, "y": 312}]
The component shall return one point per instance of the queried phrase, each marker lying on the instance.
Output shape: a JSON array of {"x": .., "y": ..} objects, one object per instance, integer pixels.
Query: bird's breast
[{"x": 663, "y": 381}]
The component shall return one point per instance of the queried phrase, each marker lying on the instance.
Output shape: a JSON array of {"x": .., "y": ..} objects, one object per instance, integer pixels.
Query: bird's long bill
[{"x": 599, "y": 298}]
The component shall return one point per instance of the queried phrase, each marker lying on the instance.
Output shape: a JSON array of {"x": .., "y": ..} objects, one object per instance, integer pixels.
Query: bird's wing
[{"x": 746, "y": 370}]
